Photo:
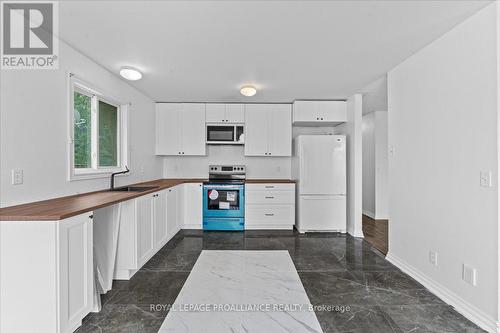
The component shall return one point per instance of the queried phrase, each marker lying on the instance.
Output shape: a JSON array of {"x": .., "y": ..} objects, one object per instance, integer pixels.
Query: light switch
[
  {"x": 392, "y": 151},
  {"x": 485, "y": 179},
  {"x": 17, "y": 177}
]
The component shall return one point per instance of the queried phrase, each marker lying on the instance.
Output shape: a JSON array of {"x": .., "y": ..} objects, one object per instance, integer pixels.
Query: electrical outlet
[
  {"x": 469, "y": 274},
  {"x": 17, "y": 177},
  {"x": 142, "y": 168},
  {"x": 485, "y": 179},
  {"x": 433, "y": 258}
]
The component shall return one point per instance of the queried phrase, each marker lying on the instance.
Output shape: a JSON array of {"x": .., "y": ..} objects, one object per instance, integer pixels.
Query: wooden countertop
[{"x": 64, "y": 207}]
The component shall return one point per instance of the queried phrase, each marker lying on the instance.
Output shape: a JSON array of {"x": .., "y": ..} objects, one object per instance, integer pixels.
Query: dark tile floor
[{"x": 334, "y": 269}]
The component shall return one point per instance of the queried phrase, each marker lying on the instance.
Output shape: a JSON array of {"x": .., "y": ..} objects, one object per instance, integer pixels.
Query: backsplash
[{"x": 197, "y": 166}]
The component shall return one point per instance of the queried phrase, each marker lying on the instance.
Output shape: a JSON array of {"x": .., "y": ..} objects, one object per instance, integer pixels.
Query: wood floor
[{"x": 376, "y": 233}]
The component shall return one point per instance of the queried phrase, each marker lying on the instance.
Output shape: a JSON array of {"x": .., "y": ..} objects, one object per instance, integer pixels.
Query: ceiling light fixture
[
  {"x": 248, "y": 91},
  {"x": 130, "y": 73}
]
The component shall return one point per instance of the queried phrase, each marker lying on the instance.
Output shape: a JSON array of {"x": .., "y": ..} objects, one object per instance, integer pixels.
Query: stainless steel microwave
[{"x": 225, "y": 134}]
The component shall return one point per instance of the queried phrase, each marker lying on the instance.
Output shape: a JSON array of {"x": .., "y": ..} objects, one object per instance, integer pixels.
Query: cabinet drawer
[
  {"x": 270, "y": 197},
  {"x": 270, "y": 187},
  {"x": 269, "y": 214}
]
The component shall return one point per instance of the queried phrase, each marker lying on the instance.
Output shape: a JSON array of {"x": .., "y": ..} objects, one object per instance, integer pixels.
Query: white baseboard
[
  {"x": 467, "y": 309},
  {"x": 124, "y": 274},
  {"x": 369, "y": 214},
  {"x": 192, "y": 226},
  {"x": 374, "y": 216}
]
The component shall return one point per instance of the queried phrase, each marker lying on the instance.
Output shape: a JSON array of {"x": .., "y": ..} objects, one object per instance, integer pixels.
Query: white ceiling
[{"x": 205, "y": 50}]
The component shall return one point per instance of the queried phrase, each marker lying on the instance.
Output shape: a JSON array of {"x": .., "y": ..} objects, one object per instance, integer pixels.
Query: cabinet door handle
[
  {"x": 321, "y": 118},
  {"x": 269, "y": 186},
  {"x": 269, "y": 214},
  {"x": 91, "y": 216},
  {"x": 269, "y": 197}
]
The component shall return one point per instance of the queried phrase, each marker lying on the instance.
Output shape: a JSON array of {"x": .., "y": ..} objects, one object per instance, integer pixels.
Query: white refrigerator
[{"x": 319, "y": 168}]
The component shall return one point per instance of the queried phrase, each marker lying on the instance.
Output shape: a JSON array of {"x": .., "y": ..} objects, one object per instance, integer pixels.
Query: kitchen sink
[{"x": 134, "y": 188}]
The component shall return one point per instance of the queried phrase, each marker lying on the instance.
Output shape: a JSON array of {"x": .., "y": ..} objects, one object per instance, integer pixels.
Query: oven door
[
  {"x": 220, "y": 134},
  {"x": 223, "y": 200}
]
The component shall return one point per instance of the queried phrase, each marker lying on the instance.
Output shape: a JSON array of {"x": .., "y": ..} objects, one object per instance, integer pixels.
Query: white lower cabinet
[
  {"x": 269, "y": 206},
  {"x": 192, "y": 206},
  {"x": 144, "y": 226},
  {"x": 160, "y": 220},
  {"x": 144, "y": 229},
  {"x": 173, "y": 211},
  {"x": 46, "y": 274}
]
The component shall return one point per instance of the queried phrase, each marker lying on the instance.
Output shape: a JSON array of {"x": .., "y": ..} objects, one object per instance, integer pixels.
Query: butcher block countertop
[{"x": 64, "y": 207}]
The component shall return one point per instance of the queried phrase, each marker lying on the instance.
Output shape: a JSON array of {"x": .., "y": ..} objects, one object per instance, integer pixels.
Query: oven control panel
[{"x": 227, "y": 169}]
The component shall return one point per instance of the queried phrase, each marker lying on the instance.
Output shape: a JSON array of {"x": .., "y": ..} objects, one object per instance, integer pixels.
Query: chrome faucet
[{"x": 112, "y": 186}]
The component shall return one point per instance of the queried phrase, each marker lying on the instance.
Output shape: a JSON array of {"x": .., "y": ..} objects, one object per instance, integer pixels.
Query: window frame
[{"x": 95, "y": 171}]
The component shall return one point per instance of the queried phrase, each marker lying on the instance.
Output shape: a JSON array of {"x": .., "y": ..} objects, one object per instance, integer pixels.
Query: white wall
[
  {"x": 375, "y": 165},
  {"x": 381, "y": 166},
  {"x": 375, "y": 95},
  {"x": 34, "y": 129},
  {"x": 443, "y": 127},
  {"x": 352, "y": 129},
  {"x": 368, "y": 129}
]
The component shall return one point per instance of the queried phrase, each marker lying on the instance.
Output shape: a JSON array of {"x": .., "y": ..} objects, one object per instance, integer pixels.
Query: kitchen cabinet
[
  {"x": 76, "y": 270},
  {"x": 319, "y": 113},
  {"x": 46, "y": 273},
  {"x": 180, "y": 129},
  {"x": 192, "y": 206},
  {"x": 225, "y": 113},
  {"x": 160, "y": 219},
  {"x": 235, "y": 113},
  {"x": 144, "y": 229},
  {"x": 269, "y": 206},
  {"x": 144, "y": 208},
  {"x": 173, "y": 211},
  {"x": 268, "y": 130}
]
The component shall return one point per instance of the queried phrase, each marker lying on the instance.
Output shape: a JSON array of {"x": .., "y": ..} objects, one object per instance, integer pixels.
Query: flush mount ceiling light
[
  {"x": 130, "y": 73},
  {"x": 248, "y": 91}
]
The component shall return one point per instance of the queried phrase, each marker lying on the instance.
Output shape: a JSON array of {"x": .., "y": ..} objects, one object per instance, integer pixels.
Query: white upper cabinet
[
  {"x": 268, "y": 130},
  {"x": 168, "y": 131},
  {"x": 225, "y": 113},
  {"x": 193, "y": 129},
  {"x": 319, "y": 113},
  {"x": 235, "y": 113},
  {"x": 215, "y": 113},
  {"x": 180, "y": 129}
]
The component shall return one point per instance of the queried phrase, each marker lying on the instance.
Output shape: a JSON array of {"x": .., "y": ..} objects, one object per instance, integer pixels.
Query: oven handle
[{"x": 224, "y": 187}]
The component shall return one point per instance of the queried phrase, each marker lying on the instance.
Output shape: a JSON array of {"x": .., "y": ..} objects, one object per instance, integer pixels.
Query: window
[{"x": 97, "y": 134}]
